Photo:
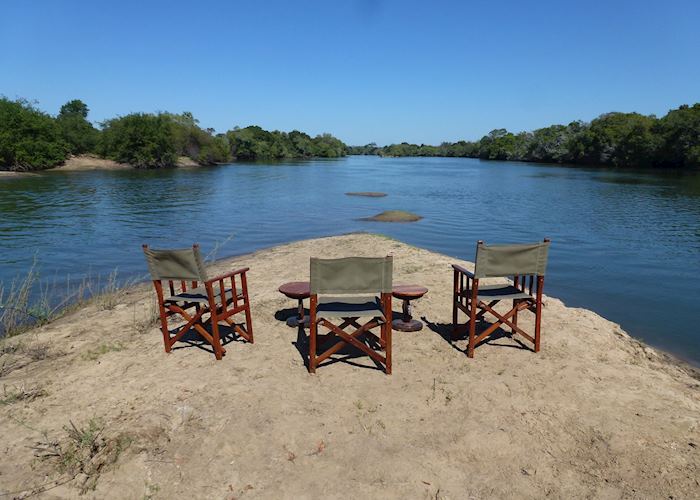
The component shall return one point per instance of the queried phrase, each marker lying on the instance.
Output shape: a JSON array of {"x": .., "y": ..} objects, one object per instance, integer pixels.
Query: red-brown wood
[
  {"x": 406, "y": 293},
  {"x": 217, "y": 307},
  {"x": 465, "y": 299},
  {"x": 344, "y": 338}
]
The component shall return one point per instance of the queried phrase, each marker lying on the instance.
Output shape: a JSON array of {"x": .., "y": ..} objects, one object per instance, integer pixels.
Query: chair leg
[
  {"x": 387, "y": 350},
  {"x": 472, "y": 331},
  {"x": 218, "y": 351},
  {"x": 163, "y": 316},
  {"x": 455, "y": 291},
  {"x": 248, "y": 320},
  {"x": 515, "y": 316},
  {"x": 313, "y": 326},
  {"x": 388, "y": 326},
  {"x": 165, "y": 331},
  {"x": 538, "y": 312}
]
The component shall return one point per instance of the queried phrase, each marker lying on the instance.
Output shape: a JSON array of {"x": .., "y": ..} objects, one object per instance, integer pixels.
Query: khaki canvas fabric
[
  {"x": 179, "y": 265},
  {"x": 199, "y": 294},
  {"x": 349, "y": 306},
  {"x": 509, "y": 260},
  {"x": 351, "y": 275}
]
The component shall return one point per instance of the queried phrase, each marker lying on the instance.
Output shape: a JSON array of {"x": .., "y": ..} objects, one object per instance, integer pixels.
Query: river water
[{"x": 625, "y": 244}]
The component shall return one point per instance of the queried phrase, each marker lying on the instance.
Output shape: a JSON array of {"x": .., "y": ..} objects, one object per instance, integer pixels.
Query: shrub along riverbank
[
  {"x": 31, "y": 139},
  {"x": 612, "y": 139}
]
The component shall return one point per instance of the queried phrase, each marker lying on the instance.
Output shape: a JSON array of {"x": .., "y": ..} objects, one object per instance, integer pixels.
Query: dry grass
[
  {"x": 21, "y": 393},
  {"x": 82, "y": 453}
]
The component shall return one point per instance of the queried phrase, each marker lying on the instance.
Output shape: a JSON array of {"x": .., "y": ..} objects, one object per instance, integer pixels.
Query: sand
[
  {"x": 595, "y": 414},
  {"x": 7, "y": 174},
  {"x": 91, "y": 162}
]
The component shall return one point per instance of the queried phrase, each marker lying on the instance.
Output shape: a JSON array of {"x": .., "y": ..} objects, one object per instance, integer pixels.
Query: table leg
[
  {"x": 299, "y": 319},
  {"x": 407, "y": 323}
]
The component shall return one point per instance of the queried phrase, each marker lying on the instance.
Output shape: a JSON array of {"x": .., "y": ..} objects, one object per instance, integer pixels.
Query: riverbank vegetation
[
  {"x": 612, "y": 139},
  {"x": 31, "y": 139}
]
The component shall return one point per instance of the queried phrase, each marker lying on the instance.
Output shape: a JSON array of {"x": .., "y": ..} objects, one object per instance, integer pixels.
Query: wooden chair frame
[
  {"x": 217, "y": 307},
  {"x": 465, "y": 299},
  {"x": 345, "y": 338}
]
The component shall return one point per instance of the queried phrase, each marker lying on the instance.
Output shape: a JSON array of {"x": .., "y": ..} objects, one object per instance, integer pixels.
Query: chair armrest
[
  {"x": 242, "y": 270},
  {"x": 462, "y": 270}
]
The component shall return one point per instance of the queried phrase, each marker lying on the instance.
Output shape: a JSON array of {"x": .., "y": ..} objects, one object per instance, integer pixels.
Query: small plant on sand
[
  {"x": 93, "y": 354},
  {"x": 142, "y": 322},
  {"x": 15, "y": 307},
  {"x": 22, "y": 393},
  {"x": 109, "y": 295},
  {"x": 6, "y": 366},
  {"x": 82, "y": 453},
  {"x": 37, "y": 351},
  {"x": 151, "y": 490}
]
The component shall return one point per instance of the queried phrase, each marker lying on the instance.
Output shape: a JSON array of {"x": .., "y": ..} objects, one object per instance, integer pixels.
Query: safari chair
[
  {"x": 346, "y": 290},
  {"x": 220, "y": 297},
  {"x": 525, "y": 264}
]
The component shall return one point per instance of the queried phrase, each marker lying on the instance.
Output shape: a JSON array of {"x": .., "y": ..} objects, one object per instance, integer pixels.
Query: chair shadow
[
  {"x": 444, "y": 330},
  {"x": 192, "y": 338},
  {"x": 346, "y": 355}
]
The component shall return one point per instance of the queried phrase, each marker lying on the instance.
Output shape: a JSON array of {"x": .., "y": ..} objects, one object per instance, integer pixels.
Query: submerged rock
[
  {"x": 394, "y": 216},
  {"x": 368, "y": 194}
]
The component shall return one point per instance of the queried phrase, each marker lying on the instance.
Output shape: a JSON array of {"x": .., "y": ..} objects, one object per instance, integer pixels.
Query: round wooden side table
[
  {"x": 298, "y": 290},
  {"x": 407, "y": 293}
]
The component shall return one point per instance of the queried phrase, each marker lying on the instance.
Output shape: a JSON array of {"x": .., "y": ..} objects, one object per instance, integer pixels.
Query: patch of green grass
[{"x": 93, "y": 354}]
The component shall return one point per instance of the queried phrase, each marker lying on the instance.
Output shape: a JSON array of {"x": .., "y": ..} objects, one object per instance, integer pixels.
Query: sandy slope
[
  {"x": 90, "y": 162},
  {"x": 594, "y": 415}
]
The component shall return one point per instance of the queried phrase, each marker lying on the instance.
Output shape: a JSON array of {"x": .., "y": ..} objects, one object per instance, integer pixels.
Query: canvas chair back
[
  {"x": 177, "y": 265},
  {"x": 510, "y": 260},
  {"x": 352, "y": 275}
]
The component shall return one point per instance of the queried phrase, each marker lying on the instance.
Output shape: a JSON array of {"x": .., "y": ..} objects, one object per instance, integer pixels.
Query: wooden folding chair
[
  {"x": 220, "y": 298},
  {"x": 522, "y": 263},
  {"x": 349, "y": 289}
]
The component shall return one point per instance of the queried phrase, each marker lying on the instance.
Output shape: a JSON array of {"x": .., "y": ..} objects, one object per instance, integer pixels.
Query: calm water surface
[{"x": 625, "y": 244}]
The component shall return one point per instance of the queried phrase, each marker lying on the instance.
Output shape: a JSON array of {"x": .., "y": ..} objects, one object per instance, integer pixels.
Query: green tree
[
  {"x": 75, "y": 130},
  {"x": 679, "y": 138},
  {"x": 29, "y": 138},
  {"x": 74, "y": 107},
  {"x": 139, "y": 139}
]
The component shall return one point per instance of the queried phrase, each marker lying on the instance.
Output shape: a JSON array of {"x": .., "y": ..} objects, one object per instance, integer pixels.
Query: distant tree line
[
  {"x": 612, "y": 139},
  {"x": 31, "y": 139}
]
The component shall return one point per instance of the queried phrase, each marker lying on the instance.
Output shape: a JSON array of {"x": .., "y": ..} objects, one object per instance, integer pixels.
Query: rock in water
[
  {"x": 394, "y": 216},
  {"x": 368, "y": 194}
]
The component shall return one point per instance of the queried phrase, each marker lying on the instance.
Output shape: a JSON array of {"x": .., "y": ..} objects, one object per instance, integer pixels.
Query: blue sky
[{"x": 364, "y": 70}]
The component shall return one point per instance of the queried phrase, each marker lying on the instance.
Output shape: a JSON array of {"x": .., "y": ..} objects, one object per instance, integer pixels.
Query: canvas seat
[
  {"x": 356, "y": 306},
  {"x": 192, "y": 295},
  {"x": 199, "y": 294},
  {"x": 346, "y": 290},
  {"x": 499, "y": 292},
  {"x": 525, "y": 265}
]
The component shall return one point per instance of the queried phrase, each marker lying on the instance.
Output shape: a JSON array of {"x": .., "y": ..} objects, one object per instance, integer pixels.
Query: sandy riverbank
[
  {"x": 92, "y": 162},
  {"x": 6, "y": 174},
  {"x": 595, "y": 414}
]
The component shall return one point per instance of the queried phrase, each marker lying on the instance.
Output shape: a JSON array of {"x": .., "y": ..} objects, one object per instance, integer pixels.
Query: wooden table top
[
  {"x": 409, "y": 291},
  {"x": 302, "y": 290},
  {"x": 296, "y": 289}
]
